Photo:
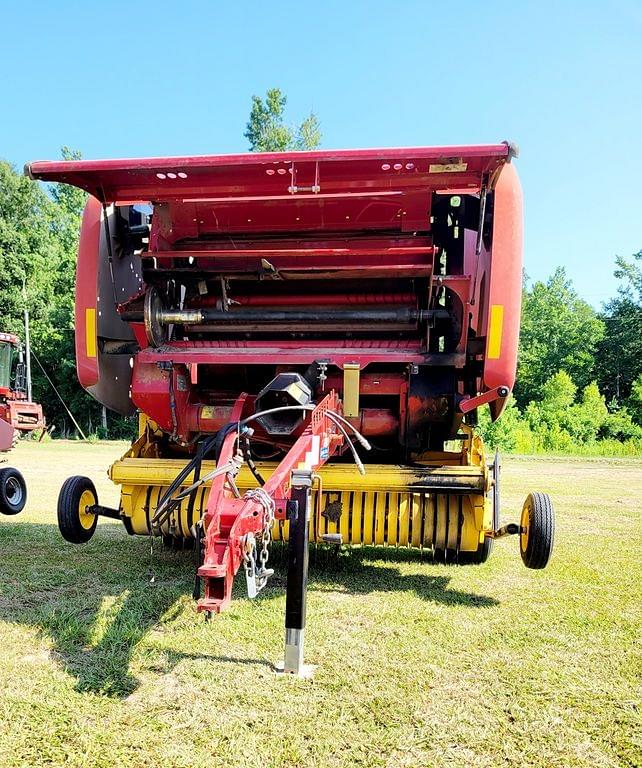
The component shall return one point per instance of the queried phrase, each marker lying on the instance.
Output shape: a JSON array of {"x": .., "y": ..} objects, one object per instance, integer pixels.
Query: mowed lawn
[{"x": 419, "y": 664}]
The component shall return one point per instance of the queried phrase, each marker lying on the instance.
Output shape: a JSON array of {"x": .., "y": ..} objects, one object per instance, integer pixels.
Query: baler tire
[
  {"x": 538, "y": 530},
  {"x": 13, "y": 491},
  {"x": 75, "y": 525}
]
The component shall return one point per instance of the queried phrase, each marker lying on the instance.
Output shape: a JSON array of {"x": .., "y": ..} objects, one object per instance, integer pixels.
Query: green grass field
[{"x": 419, "y": 664}]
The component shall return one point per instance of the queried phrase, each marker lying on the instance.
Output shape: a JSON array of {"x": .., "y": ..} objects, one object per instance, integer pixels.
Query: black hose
[
  {"x": 201, "y": 453},
  {"x": 247, "y": 454}
]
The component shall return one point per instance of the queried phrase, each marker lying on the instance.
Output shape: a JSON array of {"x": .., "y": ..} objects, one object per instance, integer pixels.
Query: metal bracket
[{"x": 507, "y": 530}]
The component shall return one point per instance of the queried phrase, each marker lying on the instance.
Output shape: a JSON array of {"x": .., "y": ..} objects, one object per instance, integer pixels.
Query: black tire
[
  {"x": 13, "y": 491},
  {"x": 76, "y": 525},
  {"x": 538, "y": 530}
]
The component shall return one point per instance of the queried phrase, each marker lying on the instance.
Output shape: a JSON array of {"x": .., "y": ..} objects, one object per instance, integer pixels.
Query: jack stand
[{"x": 298, "y": 510}]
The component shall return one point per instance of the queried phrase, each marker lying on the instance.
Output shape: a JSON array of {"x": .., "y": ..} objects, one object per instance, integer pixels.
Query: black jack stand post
[{"x": 298, "y": 513}]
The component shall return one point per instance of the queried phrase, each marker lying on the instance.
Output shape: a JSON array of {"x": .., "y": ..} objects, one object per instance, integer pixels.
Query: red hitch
[{"x": 233, "y": 523}]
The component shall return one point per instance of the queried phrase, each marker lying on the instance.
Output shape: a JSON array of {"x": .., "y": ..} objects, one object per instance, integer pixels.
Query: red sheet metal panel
[
  {"x": 86, "y": 294},
  {"x": 253, "y": 175},
  {"x": 505, "y": 286},
  {"x": 262, "y": 192}
]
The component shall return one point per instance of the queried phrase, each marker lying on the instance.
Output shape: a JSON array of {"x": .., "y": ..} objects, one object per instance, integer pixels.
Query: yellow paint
[
  {"x": 335, "y": 477},
  {"x": 351, "y": 376},
  {"x": 525, "y": 526},
  {"x": 417, "y": 515},
  {"x": 344, "y": 520},
  {"x": 442, "y": 523},
  {"x": 90, "y": 331},
  {"x": 404, "y": 519},
  {"x": 368, "y": 518},
  {"x": 384, "y": 507},
  {"x": 393, "y": 518},
  {"x": 355, "y": 528},
  {"x": 495, "y": 328},
  {"x": 86, "y": 519},
  {"x": 447, "y": 167},
  {"x": 380, "y": 518}
]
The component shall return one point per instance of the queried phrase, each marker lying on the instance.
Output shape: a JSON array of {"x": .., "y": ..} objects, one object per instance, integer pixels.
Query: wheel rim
[
  {"x": 14, "y": 492},
  {"x": 87, "y": 499},
  {"x": 525, "y": 526}
]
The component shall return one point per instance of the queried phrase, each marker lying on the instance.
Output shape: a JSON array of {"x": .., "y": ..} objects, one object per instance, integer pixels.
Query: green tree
[
  {"x": 71, "y": 203},
  {"x": 508, "y": 433},
  {"x": 267, "y": 132},
  {"x": 30, "y": 253},
  {"x": 57, "y": 351},
  {"x": 635, "y": 400},
  {"x": 559, "y": 331},
  {"x": 39, "y": 229},
  {"x": 620, "y": 352},
  {"x": 588, "y": 417}
]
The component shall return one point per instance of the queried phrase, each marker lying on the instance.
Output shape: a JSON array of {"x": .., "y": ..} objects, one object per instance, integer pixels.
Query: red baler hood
[{"x": 365, "y": 189}]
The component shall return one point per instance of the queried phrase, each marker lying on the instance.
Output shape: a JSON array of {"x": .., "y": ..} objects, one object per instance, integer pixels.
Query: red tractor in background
[{"x": 18, "y": 414}]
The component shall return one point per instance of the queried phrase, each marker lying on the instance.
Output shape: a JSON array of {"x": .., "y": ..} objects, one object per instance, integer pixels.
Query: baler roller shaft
[{"x": 404, "y": 316}]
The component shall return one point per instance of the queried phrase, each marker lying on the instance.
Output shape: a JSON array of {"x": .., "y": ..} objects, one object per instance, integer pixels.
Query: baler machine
[{"x": 307, "y": 337}]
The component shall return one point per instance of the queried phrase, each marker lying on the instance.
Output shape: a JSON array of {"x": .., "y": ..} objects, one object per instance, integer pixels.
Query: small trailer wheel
[
  {"x": 76, "y": 523},
  {"x": 13, "y": 491},
  {"x": 537, "y": 530}
]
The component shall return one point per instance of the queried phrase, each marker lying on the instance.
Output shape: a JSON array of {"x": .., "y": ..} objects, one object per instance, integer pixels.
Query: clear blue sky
[{"x": 562, "y": 79}]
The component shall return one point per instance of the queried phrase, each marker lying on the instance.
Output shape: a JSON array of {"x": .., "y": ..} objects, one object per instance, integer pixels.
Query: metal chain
[
  {"x": 263, "y": 573},
  {"x": 249, "y": 556}
]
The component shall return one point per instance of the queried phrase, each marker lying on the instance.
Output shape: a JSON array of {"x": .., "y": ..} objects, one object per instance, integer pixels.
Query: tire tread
[
  {"x": 6, "y": 505},
  {"x": 68, "y": 517},
  {"x": 542, "y": 531}
]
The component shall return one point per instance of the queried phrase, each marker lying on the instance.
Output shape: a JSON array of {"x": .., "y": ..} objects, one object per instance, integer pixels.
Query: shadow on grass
[
  {"x": 361, "y": 570},
  {"x": 96, "y": 601}
]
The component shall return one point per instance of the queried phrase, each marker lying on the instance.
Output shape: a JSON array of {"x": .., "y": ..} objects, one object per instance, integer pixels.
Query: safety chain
[{"x": 257, "y": 577}]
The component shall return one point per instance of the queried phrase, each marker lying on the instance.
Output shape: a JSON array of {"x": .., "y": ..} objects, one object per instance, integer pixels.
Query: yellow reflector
[
  {"x": 90, "y": 331},
  {"x": 495, "y": 328},
  {"x": 351, "y": 375}
]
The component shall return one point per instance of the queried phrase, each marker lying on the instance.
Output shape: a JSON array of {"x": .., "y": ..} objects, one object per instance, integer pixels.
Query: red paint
[
  {"x": 505, "y": 284},
  {"x": 16, "y": 412},
  {"x": 311, "y": 300},
  {"x": 326, "y": 229},
  {"x": 87, "y": 288},
  {"x": 246, "y": 175},
  {"x": 228, "y": 519}
]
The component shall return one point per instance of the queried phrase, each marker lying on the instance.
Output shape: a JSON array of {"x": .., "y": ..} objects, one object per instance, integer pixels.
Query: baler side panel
[
  {"x": 105, "y": 374},
  {"x": 504, "y": 281},
  {"x": 86, "y": 293}
]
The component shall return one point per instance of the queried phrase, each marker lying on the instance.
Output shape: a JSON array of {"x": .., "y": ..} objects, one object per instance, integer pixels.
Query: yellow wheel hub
[
  {"x": 86, "y": 518},
  {"x": 525, "y": 525}
]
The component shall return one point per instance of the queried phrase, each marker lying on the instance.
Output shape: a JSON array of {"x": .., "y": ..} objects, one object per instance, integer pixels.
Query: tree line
[
  {"x": 579, "y": 376},
  {"x": 579, "y": 384}
]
